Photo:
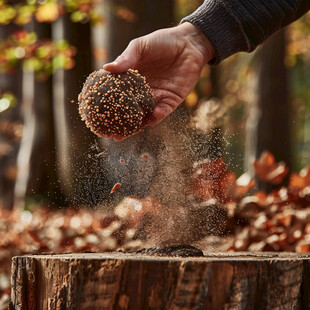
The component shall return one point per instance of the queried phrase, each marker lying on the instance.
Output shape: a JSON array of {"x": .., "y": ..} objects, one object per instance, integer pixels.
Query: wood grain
[{"x": 136, "y": 281}]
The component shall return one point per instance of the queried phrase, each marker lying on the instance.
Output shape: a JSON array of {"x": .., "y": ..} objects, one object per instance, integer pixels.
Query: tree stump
[{"x": 141, "y": 281}]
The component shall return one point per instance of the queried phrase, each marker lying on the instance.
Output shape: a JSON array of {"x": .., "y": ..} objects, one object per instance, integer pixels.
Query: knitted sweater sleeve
[{"x": 241, "y": 25}]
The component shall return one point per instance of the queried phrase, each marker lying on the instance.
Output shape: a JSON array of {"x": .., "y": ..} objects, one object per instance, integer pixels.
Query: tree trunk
[
  {"x": 270, "y": 120},
  {"x": 144, "y": 19},
  {"x": 80, "y": 171},
  {"x": 37, "y": 178},
  {"x": 10, "y": 82},
  {"x": 137, "y": 281}
]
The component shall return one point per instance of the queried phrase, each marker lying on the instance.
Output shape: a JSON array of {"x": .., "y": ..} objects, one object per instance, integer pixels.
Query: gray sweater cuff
[{"x": 221, "y": 28}]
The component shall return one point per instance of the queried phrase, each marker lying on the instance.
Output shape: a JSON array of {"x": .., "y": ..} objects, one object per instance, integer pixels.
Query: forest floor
[{"x": 278, "y": 221}]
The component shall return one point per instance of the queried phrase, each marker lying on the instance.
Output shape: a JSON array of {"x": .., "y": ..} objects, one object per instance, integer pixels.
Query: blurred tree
[
  {"x": 48, "y": 125},
  {"x": 10, "y": 83},
  {"x": 81, "y": 178},
  {"x": 37, "y": 177},
  {"x": 135, "y": 19},
  {"x": 79, "y": 169},
  {"x": 298, "y": 61},
  {"x": 272, "y": 114}
]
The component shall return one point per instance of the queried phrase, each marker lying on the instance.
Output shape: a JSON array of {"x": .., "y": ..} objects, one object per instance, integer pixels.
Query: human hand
[{"x": 171, "y": 60}]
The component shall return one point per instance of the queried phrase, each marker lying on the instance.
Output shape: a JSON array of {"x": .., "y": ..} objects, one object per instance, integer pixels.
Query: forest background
[
  {"x": 49, "y": 47},
  {"x": 48, "y": 158}
]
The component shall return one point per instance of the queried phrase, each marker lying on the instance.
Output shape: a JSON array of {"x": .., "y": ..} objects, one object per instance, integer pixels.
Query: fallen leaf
[
  {"x": 243, "y": 184},
  {"x": 267, "y": 170},
  {"x": 300, "y": 180},
  {"x": 115, "y": 187}
]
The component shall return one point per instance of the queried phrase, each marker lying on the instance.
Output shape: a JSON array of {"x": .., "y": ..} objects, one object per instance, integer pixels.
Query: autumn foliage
[
  {"x": 41, "y": 56},
  {"x": 280, "y": 220},
  {"x": 211, "y": 179},
  {"x": 275, "y": 221},
  {"x": 267, "y": 170},
  {"x": 47, "y": 11}
]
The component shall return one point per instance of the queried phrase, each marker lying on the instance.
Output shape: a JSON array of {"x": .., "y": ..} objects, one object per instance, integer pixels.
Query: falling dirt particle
[
  {"x": 144, "y": 156},
  {"x": 115, "y": 187},
  {"x": 102, "y": 154}
]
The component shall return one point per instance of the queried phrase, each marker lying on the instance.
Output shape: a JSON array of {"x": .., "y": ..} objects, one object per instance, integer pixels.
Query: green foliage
[
  {"x": 48, "y": 11},
  {"x": 7, "y": 100},
  {"x": 41, "y": 56},
  {"x": 7, "y": 13},
  {"x": 185, "y": 7}
]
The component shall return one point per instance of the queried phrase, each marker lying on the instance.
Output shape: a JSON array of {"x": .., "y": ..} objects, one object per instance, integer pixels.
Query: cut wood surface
[{"x": 140, "y": 281}]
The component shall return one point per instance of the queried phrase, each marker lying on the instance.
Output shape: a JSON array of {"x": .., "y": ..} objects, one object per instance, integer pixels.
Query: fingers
[
  {"x": 127, "y": 59},
  {"x": 161, "y": 111},
  {"x": 167, "y": 102}
]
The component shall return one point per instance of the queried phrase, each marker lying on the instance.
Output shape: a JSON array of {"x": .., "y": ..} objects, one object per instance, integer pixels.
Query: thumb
[{"x": 126, "y": 60}]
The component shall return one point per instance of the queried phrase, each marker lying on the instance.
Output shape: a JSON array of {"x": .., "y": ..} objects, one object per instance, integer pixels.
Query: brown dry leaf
[
  {"x": 243, "y": 184},
  {"x": 115, "y": 187},
  {"x": 129, "y": 209},
  {"x": 218, "y": 188},
  {"x": 241, "y": 244},
  {"x": 133, "y": 209},
  {"x": 210, "y": 169},
  {"x": 285, "y": 220},
  {"x": 261, "y": 196},
  {"x": 300, "y": 180},
  {"x": 267, "y": 170},
  {"x": 303, "y": 246},
  {"x": 212, "y": 179}
]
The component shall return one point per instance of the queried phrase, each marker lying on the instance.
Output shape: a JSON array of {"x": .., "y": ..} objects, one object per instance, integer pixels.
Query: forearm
[{"x": 241, "y": 25}]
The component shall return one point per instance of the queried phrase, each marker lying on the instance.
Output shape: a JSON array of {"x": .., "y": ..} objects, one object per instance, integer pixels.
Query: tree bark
[
  {"x": 270, "y": 119},
  {"x": 36, "y": 177},
  {"x": 79, "y": 170},
  {"x": 144, "y": 20},
  {"x": 137, "y": 281},
  {"x": 11, "y": 82}
]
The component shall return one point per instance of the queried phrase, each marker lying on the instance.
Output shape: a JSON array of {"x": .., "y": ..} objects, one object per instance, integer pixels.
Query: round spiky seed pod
[{"x": 116, "y": 104}]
